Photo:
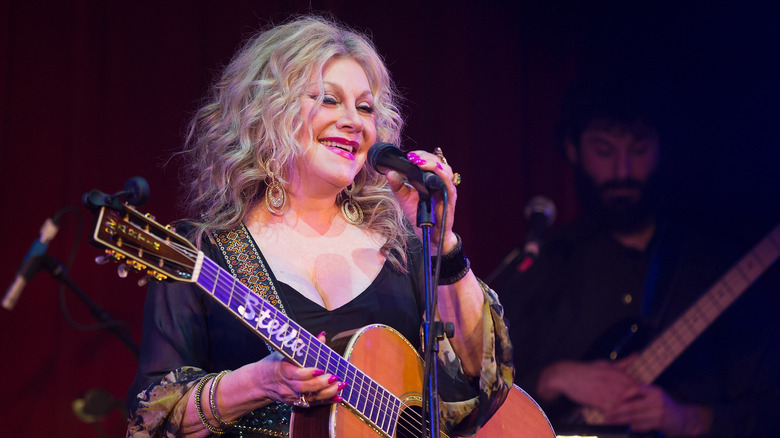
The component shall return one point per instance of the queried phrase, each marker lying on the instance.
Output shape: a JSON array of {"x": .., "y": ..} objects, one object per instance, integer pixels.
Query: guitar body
[
  {"x": 391, "y": 361},
  {"x": 519, "y": 416}
]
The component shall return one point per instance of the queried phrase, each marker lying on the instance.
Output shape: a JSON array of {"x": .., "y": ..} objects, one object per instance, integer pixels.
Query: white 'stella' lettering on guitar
[{"x": 274, "y": 327}]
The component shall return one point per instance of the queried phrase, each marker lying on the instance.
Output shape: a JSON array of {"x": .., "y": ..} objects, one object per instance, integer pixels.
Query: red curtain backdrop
[{"x": 94, "y": 92}]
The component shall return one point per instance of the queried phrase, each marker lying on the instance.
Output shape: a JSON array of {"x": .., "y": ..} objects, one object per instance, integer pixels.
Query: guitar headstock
[{"x": 140, "y": 242}]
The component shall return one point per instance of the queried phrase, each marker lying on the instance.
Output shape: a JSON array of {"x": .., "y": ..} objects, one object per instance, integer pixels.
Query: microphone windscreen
[
  {"x": 543, "y": 205},
  {"x": 376, "y": 151}
]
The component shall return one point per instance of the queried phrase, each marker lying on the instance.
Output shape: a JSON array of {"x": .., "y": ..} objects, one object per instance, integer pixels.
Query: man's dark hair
[{"x": 608, "y": 100}]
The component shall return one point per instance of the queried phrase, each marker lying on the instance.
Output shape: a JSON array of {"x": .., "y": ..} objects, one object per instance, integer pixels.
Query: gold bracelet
[
  {"x": 199, "y": 407},
  {"x": 213, "y": 402}
]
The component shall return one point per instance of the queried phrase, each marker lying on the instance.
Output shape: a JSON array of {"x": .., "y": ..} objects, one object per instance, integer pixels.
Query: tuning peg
[
  {"x": 103, "y": 259},
  {"x": 122, "y": 271},
  {"x": 143, "y": 281}
]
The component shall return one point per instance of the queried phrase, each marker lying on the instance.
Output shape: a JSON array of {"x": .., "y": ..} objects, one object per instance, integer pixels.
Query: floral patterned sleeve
[
  {"x": 467, "y": 404},
  {"x": 158, "y": 411},
  {"x": 172, "y": 356}
]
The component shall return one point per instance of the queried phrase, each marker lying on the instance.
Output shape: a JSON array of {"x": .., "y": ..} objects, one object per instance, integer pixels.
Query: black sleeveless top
[{"x": 390, "y": 299}]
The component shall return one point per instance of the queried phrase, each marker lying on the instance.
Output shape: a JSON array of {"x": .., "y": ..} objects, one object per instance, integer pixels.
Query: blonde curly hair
[{"x": 253, "y": 114}]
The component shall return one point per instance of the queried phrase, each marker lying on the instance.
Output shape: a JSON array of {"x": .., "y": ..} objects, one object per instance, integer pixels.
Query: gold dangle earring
[
  {"x": 275, "y": 194},
  {"x": 350, "y": 209}
]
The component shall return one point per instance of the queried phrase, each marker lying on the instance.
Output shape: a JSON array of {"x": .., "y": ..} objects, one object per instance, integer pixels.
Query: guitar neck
[
  {"x": 362, "y": 394},
  {"x": 667, "y": 347}
]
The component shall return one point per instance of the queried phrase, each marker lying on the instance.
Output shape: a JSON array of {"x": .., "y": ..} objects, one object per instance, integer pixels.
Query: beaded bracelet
[
  {"x": 213, "y": 402},
  {"x": 272, "y": 420},
  {"x": 199, "y": 406},
  {"x": 454, "y": 265}
]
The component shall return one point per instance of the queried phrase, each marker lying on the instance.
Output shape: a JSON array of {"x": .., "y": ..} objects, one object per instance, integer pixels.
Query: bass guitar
[
  {"x": 379, "y": 400},
  {"x": 657, "y": 356}
]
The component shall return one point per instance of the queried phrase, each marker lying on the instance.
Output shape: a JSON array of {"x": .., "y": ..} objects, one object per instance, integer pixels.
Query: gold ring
[
  {"x": 301, "y": 402},
  {"x": 439, "y": 154},
  {"x": 456, "y": 178}
]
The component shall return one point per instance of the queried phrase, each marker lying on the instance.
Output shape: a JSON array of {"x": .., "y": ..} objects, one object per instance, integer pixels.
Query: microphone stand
[
  {"x": 433, "y": 330},
  {"x": 508, "y": 260},
  {"x": 431, "y": 391},
  {"x": 57, "y": 270}
]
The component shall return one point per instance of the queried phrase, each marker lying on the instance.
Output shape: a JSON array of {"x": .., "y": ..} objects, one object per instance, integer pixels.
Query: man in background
[{"x": 625, "y": 269}]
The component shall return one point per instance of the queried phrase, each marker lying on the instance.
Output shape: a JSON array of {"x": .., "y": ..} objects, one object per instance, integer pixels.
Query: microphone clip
[{"x": 136, "y": 192}]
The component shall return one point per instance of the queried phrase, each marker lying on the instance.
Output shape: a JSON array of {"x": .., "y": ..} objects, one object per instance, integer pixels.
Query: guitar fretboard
[
  {"x": 667, "y": 347},
  {"x": 364, "y": 395}
]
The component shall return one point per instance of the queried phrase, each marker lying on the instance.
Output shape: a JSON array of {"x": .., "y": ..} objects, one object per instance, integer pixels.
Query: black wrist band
[{"x": 454, "y": 265}]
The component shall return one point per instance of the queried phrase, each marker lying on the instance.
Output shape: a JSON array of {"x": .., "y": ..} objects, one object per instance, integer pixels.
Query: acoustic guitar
[
  {"x": 519, "y": 416},
  {"x": 657, "y": 356},
  {"x": 379, "y": 400}
]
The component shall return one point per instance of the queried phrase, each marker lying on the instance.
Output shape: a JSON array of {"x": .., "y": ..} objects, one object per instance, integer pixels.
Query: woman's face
[{"x": 343, "y": 126}]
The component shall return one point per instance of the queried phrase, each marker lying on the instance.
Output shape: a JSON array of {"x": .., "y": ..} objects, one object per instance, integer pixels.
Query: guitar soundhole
[{"x": 409, "y": 422}]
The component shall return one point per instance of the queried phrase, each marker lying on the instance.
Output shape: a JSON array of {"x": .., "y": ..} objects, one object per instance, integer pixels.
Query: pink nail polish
[
  {"x": 420, "y": 161},
  {"x": 439, "y": 166},
  {"x": 341, "y": 385},
  {"x": 338, "y": 399},
  {"x": 332, "y": 378},
  {"x": 411, "y": 155},
  {"x": 318, "y": 373},
  {"x": 321, "y": 334}
]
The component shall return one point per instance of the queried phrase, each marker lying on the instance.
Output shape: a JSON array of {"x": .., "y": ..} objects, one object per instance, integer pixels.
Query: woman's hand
[
  {"x": 274, "y": 378},
  {"x": 408, "y": 196},
  {"x": 283, "y": 381}
]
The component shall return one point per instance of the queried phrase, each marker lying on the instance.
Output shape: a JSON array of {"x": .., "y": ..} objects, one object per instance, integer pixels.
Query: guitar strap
[
  {"x": 248, "y": 265},
  {"x": 661, "y": 274}
]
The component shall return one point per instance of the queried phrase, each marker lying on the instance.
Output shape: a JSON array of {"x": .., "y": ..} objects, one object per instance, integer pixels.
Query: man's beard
[{"x": 618, "y": 213}]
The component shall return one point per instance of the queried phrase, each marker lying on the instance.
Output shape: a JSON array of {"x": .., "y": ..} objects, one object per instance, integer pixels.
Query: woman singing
[{"x": 279, "y": 193}]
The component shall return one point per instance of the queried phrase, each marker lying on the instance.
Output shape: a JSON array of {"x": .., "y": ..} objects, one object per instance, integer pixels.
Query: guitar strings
[
  {"x": 405, "y": 421},
  {"x": 184, "y": 250},
  {"x": 706, "y": 309},
  {"x": 380, "y": 409},
  {"x": 679, "y": 335},
  {"x": 140, "y": 253}
]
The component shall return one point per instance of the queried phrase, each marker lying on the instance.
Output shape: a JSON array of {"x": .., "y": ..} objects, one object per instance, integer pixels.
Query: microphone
[
  {"x": 136, "y": 193},
  {"x": 385, "y": 156},
  {"x": 30, "y": 263},
  {"x": 539, "y": 214}
]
